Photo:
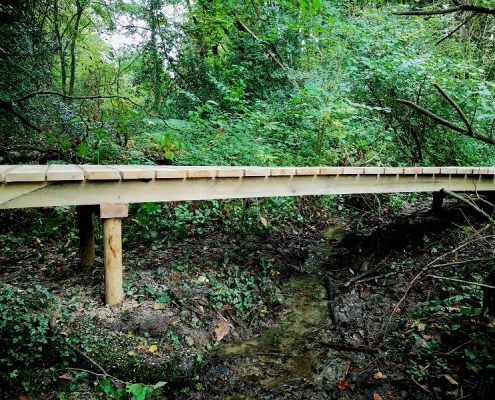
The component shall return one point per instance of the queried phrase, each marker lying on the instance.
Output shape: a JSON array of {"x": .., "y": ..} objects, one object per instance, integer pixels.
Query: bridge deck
[
  {"x": 45, "y": 186},
  {"x": 108, "y": 189}
]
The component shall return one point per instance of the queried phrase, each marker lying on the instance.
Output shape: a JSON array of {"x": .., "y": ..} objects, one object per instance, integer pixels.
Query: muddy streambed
[{"x": 285, "y": 355}]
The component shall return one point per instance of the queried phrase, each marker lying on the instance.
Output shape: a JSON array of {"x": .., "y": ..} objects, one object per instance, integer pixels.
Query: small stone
[
  {"x": 189, "y": 341},
  {"x": 203, "y": 279}
]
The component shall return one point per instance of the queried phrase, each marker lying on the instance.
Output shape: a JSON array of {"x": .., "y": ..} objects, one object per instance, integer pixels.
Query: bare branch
[
  {"x": 456, "y": 29},
  {"x": 468, "y": 131},
  {"x": 433, "y": 116},
  {"x": 469, "y": 203},
  {"x": 484, "y": 285},
  {"x": 456, "y": 107},
  {"x": 270, "y": 53},
  {"x": 451, "y": 10}
]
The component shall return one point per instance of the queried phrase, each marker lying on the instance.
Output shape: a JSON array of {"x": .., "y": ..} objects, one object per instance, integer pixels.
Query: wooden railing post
[
  {"x": 112, "y": 215},
  {"x": 86, "y": 235}
]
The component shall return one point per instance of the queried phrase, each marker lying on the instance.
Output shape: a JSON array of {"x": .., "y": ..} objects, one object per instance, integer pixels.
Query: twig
[
  {"x": 423, "y": 270},
  {"x": 462, "y": 281},
  {"x": 346, "y": 347},
  {"x": 462, "y": 262},
  {"x": 470, "y": 203},
  {"x": 456, "y": 29},
  {"x": 93, "y": 362},
  {"x": 420, "y": 385}
]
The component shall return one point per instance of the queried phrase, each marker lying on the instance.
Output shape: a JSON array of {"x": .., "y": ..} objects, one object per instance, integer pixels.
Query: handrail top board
[{"x": 89, "y": 172}]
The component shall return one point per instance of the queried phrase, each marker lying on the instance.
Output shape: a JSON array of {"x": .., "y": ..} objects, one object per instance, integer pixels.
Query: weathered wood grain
[
  {"x": 26, "y": 173},
  {"x": 64, "y": 173}
]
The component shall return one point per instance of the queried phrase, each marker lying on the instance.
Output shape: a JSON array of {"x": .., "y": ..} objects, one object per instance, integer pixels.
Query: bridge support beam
[
  {"x": 112, "y": 215},
  {"x": 86, "y": 235}
]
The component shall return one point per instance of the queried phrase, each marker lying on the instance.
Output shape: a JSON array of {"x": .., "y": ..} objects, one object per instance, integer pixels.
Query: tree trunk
[{"x": 72, "y": 80}]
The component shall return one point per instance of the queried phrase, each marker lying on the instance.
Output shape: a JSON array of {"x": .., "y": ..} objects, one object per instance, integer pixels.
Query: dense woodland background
[
  {"x": 399, "y": 300},
  {"x": 223, "y": 82}
]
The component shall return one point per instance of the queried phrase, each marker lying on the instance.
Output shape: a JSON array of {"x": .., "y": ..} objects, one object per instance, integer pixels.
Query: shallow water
[{"x": 280, "y": 356}]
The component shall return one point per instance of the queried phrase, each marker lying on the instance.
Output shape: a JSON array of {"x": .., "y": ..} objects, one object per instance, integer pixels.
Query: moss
[{"x": 129, "y": 358}]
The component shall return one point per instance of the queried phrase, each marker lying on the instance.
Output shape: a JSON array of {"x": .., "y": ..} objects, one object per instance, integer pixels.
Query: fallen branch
[
  {"x": 446, "y": 278},
  {"x": 458, "y": 9},
  {"x": 470, "y": 203}
]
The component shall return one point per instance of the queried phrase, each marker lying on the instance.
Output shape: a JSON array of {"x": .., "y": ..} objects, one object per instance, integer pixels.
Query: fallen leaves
[
  {"x": 343, "y": 385},
  {"x": 66, "y": 376},
  {"x": 379, "y": 375},
  {"x": 159, "y": 306},
  {"x": 451, "y": 380},
  {"x": 221, "y": 330},
  {"x": 153, "y": 348}
]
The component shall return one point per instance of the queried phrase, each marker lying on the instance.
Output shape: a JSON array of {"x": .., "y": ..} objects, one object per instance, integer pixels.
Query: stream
[{"x": 284, "y": 356}]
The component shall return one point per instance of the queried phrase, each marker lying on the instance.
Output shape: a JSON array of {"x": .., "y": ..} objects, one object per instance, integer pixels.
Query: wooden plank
[
  {"x": 283, "y": 171},
  {"x": 308, "y": 171},
  {"x": 100, "y": 172},
  {"x": 331, "y": 170},
  {"x": 483, "y": 170},
  {"x": 170, "y": 172},
  {"x": 135, "y": 171},
  {"x": 448, "y": 170},
  {"x": 431, "y": 170},
  {"x": 201, "y": 172},
  {"x": 24, "y": 195},
  {"x": 114, "y": 210},
  {"x": 112, "y": 259},
  {"x": 230, "y": 172},
  {"x": 374, "y": 170},
  {"x": 413, "y": 170},
  {"x": 3, "y": 170},
  {"x": 394, "y": 170},
  {"x": 464, "y": 170},
  {"x": 64, "y": 173},
  {"x": 353, "y": 170},
  {"x": 26, "y": 173},
  {"x": 257, "y": 171}
]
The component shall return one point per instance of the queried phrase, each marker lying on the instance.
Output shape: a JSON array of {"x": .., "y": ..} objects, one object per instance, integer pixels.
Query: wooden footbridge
[{"x": 107, "y": 191}]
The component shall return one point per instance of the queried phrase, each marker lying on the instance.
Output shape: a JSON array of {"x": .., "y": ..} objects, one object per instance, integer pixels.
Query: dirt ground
[{"x": 341, "y": 325}]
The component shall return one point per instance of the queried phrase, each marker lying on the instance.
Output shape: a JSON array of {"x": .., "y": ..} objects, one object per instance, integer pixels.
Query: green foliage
[
  {"x": 243, "y": 289},
  {"x": 25, "y": 333},
  {"x": 131, "y": 391},
  {"x": 452, "y": 335}
]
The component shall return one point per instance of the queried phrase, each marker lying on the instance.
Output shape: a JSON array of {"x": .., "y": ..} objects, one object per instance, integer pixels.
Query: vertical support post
[
  {"x": 437, "y": 201},
  {"x": 112, "y": 215},
  {"x": 86, "y": 235}
]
